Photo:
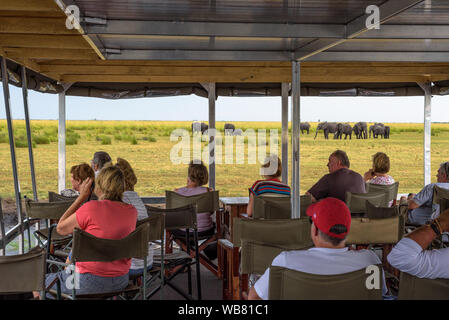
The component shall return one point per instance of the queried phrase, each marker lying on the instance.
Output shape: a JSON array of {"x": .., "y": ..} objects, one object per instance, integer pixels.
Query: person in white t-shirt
[
  {"x": 331, "y": 221},
  {"x": 410, "y": 255},
  {"x": 131, "y": 197}
]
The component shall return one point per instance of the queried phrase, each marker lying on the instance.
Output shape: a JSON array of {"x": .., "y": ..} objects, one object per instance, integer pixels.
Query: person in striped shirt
[{"x": 271, "y": 171}]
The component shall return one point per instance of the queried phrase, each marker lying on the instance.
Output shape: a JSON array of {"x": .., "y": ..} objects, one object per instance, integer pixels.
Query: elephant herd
[
  {"x": 360, "y": 130},
  {"x": 229, "y": 128}
]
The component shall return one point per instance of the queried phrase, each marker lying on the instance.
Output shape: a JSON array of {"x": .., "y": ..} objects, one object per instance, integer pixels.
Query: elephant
[
  {"x": 229, "y": 129},
  {"x": 377, "y": 130},
  {"x": 361, "y": 130},
  {"x": 237, "y": 132},
  {"x": 304, "y": 126},
  {"x": 327, "y": 127},
  {"x": 343, "y": 128},
  {"x": 197, "y": 127},
  {"x": 387, "y": 132}
]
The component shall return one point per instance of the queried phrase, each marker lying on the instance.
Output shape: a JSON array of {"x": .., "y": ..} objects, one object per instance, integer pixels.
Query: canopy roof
[{"x": 154, "y": 48}]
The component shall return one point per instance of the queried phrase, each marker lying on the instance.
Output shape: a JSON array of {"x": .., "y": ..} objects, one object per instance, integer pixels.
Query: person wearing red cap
[
  {"x": 339, "y": 180},
  {"x": 331, "y": 222}
]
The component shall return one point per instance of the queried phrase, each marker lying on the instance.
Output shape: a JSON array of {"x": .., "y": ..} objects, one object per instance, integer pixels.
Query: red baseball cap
[{"x": 329, "y": 212}]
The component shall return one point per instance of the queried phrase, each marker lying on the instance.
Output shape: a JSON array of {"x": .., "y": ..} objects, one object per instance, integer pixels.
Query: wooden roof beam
[
  {"x": 45, "y": 53},
  {"x": 52, "y": 26},
  {"x": 43, "y": 41},
  {"x": 28, "y": 5}
]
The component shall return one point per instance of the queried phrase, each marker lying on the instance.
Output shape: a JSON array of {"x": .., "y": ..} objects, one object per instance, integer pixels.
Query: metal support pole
[
  {"x": 296, "y": 93},
  {"x": 212, "y": 135},
  {"x": 28, "y": 128},
  {"x": 427, "y": 88},
  {"x": 284, "y": 90},
  {"x": 12, "y": 149},
  {"x": 61, "y": 142}
]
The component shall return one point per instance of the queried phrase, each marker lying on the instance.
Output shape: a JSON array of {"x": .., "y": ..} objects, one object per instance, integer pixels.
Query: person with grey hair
[
  {"x": 421, "y": 208},
  {"x": 339, "y": 180},
  {"x": 99, "y": 160}
]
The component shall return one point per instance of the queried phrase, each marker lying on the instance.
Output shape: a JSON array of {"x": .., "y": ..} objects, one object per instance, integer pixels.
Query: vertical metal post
[
  {"x": 212, "y": 135},
  {"x": 427, "y": 88},
  {"x": 284, "y": 89},
  {"x": 28, "y": 128},
  {"x": 12, "y": 149},
  {"x": 296, "y": 93},
  {"x": 61, "y": 142}
]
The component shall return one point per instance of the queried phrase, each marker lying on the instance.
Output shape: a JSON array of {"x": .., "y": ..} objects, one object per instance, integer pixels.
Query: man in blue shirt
[{"x": 421, "y": 208}]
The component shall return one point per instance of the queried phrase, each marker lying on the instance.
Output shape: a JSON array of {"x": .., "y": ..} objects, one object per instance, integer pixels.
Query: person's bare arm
[
  {"x": 313, "y": 198},
  {"x": 68, "y": 221},
  {"x": 424, "y": 235},
  {"x": 253, "y": 294},
  {"x": 249, "y": 209},
  {"x": 412, "y": 205}
]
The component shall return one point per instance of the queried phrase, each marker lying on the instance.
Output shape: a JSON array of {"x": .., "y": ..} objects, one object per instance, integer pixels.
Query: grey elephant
[
  {"x": 199, "y": 127},
  {"x": 361, "y": 130},
  {"x": 377, "y": 130},
  {"x": 229, "y": 129},
  {"x": 304, "y": 126},
  {"x": 343, "y": 128},
  {"x": 327, "y": 127},
  {"x": 237, "y": 132},
  {"x": 387, "y": 132}
]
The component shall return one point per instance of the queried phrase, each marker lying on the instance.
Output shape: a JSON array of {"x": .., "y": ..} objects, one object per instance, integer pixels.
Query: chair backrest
[
  {"x": 176, "y": 218},
  {"x": 288, "y": 284},
  {"x": 157, "y": 225},
  {"x": 414, "y": 288},
  {"x": 262, "y": 240},
  {"x": 383, "y": 226},
  {"x": 356, "y": 202},
  {"x": 55, "y": 197},
  {"x": 391, "y": 191},
  {"x": 23, "y": 272},
  {"x": 46, "y": 210},
  {"x": 86, "y": 247},
  {"x": 205, "y": 202},
  {"x": 275, "y": 206},
  {"x": 441, "y": 197}
]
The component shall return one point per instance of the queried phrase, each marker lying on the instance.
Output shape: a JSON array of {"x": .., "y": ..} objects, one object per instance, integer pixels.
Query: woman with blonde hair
[
  {"x": 131, "y": 197},
  {"x": 378, "y": 174},
  {"x": 108, "y": 217},
  {"x": 271, "y": 171}
]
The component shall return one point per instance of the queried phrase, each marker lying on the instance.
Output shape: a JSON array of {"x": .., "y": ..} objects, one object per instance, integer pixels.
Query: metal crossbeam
[
  {"x": 352, "y": 56},
  {"x": 217, "y": 29},
  {"x": 356, "y": 27}
]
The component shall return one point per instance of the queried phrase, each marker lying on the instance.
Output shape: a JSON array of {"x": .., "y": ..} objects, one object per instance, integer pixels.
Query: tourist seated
[
  {"x": 378, "y": 174},
  {"x": 197, "y": 177},
  {"x": 271, "y": 171},
  {"x": 78, "y": 174},
  {"x": 131, "y": 197},
  {"x": 110, "y": 218},
  {"x": 410, "y": 255},
  {"x": 331, "y": 222},
  {"x": 100, "y": 159},
  {"x": 421, "y": 208},
  {"x": 339, "y": 180}
]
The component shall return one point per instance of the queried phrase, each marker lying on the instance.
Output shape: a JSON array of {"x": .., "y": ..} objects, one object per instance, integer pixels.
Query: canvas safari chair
[
  {"x": 48, "y": 237},
  {"x": 175, "y": 262},
  {"x": 356, "y": 201},
  {"x": 23, "y": 273},
  {"x": 414, "y": 288},
  {"x": 288, "y": 284},
  {"x": 391, "y": 192},
  {"x": 262, "y": 240},
  {"x": 87, "y": 247},
  {"x": 55, "y": 197},
  {"x": 156, "y": 234},
  {"x": 205, "y": 202},
  {"x": 277, "y": 207}
]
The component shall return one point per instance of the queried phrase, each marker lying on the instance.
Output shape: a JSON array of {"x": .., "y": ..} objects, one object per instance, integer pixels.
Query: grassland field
[{"x": 146, "y": 145}]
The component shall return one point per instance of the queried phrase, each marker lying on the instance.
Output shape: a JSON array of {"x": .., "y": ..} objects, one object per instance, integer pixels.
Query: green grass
[{"x": 156, "y": 173}]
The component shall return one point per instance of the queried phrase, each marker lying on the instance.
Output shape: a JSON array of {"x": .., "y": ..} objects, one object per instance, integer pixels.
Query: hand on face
[
  {"x": 369, "y": 174},
  {"x": 84, "y": 188}
]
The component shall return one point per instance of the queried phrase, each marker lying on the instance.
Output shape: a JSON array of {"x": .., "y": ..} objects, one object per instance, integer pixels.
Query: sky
[{"x": 187, "y": 108}]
